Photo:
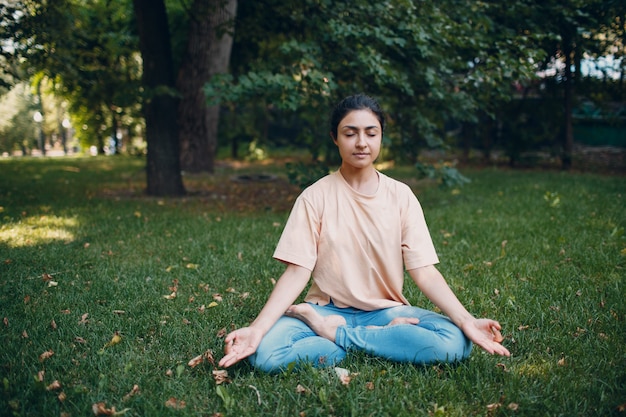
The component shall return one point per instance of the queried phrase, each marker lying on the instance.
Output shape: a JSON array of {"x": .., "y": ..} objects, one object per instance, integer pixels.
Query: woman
[{"x": 355, "y": 231}]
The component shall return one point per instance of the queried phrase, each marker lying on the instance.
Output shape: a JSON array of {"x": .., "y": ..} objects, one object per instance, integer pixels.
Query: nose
[{"x": 361, "y": 142}]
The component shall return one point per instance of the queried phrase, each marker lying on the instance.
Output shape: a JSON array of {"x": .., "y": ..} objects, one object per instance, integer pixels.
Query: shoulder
[
  {"x": 395, "y": 186},
  {"x": 321, "y": 186}
]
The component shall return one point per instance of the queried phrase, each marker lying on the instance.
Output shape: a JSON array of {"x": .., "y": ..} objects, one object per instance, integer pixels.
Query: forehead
[{"x": 360, "y": 119}]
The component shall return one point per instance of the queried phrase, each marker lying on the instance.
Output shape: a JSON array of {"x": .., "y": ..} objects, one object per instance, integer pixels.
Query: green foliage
[
  {"x": 323, "y": 51},
  {"x": 303, "y": 175},
  {"x": 554, "y": 279},
  {"x": 444, "y": 173}
]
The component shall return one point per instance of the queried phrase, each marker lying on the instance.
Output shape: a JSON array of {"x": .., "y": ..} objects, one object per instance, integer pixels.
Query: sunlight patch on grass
[{"x": 33, "y": 231}]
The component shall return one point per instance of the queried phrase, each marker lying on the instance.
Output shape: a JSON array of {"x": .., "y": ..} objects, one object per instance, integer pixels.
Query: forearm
[
  {"x": 287, "y": 289},
  {"x": 434, "y": 286}
]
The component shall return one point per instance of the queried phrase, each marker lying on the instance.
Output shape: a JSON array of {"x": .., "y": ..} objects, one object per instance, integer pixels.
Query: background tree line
[{"x": 450, "y": 73}]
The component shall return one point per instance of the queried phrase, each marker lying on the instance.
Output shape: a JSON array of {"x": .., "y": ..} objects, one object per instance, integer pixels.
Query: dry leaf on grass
[
  {"x": 132, "y": 393},
  {"x": 221, "y": 376},
  {"x": 47, "y": 354},
  {"x": 208, "y": 356},
  {"x": 114, "y": 340},
  {"x": 175, "y": 403},
  {"x": 83, "y": 319},
  {"x": 55, "y": 385},
  {"x": 344, "y": 375},
  {"x": 302, "y": 390},
  {"x": 100, "y": 409}
]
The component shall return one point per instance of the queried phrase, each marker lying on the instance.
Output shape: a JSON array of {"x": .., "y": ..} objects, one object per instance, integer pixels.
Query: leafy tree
[{"x": 426, "y": 60}]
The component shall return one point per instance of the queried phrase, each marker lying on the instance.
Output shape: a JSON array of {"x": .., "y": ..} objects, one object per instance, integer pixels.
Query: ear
[{"x": 333, "y": 137}]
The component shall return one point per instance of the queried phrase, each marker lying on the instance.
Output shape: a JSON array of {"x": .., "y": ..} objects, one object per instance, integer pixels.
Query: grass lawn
[{"x": 103, "y": 290}]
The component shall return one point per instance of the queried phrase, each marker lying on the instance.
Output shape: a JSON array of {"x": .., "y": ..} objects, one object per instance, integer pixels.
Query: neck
[{"x": 364, "y": 181}]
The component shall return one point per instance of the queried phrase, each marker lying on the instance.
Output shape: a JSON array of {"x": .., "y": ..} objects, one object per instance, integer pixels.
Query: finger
[
  {"x": 497, "y": 336},
  {"x": 230, "y": 337}
]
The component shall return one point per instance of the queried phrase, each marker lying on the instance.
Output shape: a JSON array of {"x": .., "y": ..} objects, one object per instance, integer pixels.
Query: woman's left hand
[{"x": 486, "y": 334}]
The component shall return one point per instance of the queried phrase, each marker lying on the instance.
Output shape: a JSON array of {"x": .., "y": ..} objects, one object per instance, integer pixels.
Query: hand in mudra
[
  {"x": 240, "y": 344},
  {"x": 486, "y": 334}
]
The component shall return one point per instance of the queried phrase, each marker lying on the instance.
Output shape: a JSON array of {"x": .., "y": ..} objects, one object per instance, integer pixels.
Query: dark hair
[{"x": 351, "y": 103}]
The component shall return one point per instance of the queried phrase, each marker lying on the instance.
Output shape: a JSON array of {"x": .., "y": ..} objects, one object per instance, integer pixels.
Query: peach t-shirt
[{"x": 356, "y": 245}]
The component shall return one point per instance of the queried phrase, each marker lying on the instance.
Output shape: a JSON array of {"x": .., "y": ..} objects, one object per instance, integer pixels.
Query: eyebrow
[{"x": 357, "y": 128}]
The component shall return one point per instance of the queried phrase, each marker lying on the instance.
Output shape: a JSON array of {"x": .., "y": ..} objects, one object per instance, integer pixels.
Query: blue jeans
[{"x": 434, "y": 339}]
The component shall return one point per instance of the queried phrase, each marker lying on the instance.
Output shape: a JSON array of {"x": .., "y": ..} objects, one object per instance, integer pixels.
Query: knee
[
  {"x": 457, "y": 346},
  {"x": 267, "y": 363}
]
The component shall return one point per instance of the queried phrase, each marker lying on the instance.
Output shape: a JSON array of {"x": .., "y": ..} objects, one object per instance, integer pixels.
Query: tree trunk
[
  {"x": 208, "y": 53},
  {"x": 159, "y": 104},
  {"x": 568, "y": 97}
]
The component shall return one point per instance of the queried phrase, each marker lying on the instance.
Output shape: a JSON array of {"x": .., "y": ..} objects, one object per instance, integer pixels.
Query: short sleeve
[
  {"x": 299, "y": 240},
  {"x": 418, "y": 249}
]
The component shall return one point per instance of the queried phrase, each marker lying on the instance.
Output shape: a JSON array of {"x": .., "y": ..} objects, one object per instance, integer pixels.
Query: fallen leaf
[
  {"x": 221, "y": 376},
  {"x": 344, "y": 375},
  {"x": 62, "y": 397},
  {"x": 24, "y": 334},
  {"x": 192, "y": 266},
  {"x": 53, "y": 324},
  {"x": 244, "y": 295},
  {"x": 134, "y": 391},
  {"x": 47, "y": 354},
  {"x": 196, "y": 361},
  {"x": 221, "y": 333},
  {"x": 79, "y": 339},
  {"x": 52, "y": 284},
  {"x": 83, "y": 319},
  {"x": 522, "y": 327},
  {"x": 169, "y": 372},
  {"x": 218, "y": 297},
  {"x": 46, "y": 277},
  {"x": 213, "y": 304},
  {"x": 301, "y": 389},
  {"x": 119, "y": 312},
  {"x": 171, "y": 296},
  {"x": 175, "y": 403},
  {"x": 55, "y": 385},
  {"x": 114, "y": 340},
  {"x": 27, "y": 299},
  {"x": 561, "y": 362},
  {"x": 202, "y": 308},
  {"x": 100, "y": 409},
  {"x": 6, "y": 321},
  {"x": 513, "y": 406},
  {"x": 369, "y": 385},
  {"x": 493, "y": 406},
  {"x": 41, "y": 375}
]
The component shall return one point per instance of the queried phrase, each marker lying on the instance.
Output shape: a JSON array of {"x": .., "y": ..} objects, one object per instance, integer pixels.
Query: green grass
[{"x": 556, "y": 285}]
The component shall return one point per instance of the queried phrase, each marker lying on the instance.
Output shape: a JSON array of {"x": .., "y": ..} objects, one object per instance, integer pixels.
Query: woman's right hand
[{"x": 240, "y": 344}]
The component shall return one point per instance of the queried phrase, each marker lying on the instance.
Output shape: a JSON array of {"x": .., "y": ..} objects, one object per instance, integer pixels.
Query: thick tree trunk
[
  {"x": 160, "y": 104},
  {"x": 208, "y": 52}
]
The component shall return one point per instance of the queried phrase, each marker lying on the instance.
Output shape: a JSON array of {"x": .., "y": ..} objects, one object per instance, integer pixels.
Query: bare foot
[
  {"x": 399, "y": 320},
  {"x": 325, "y": 326}
]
